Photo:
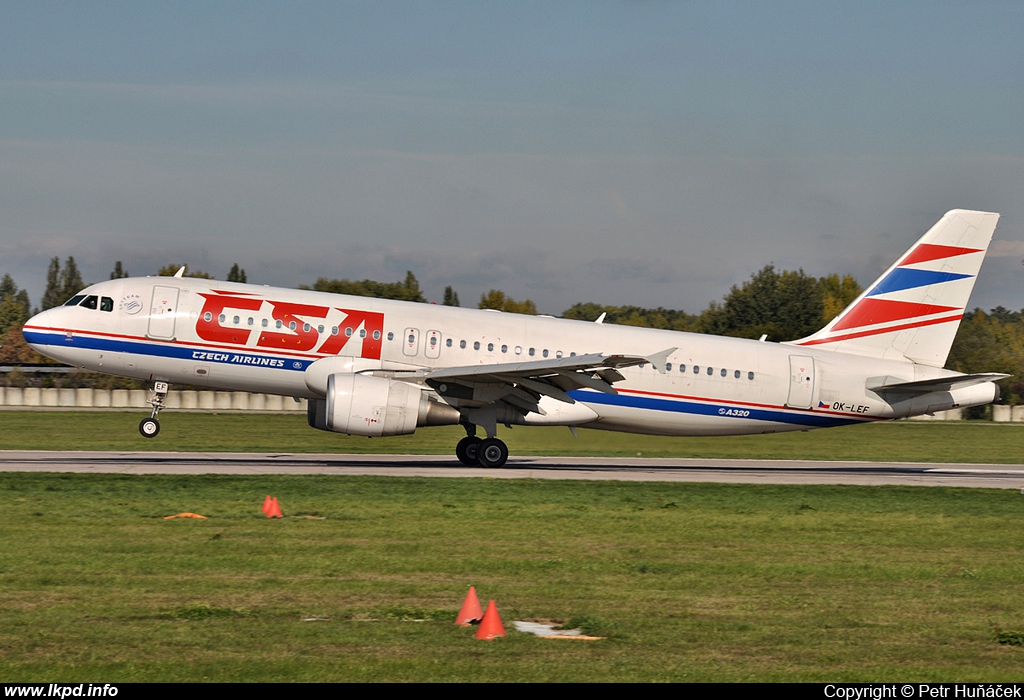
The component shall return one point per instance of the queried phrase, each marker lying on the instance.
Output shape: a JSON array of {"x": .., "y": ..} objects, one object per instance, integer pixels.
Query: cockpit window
[
  {"x": 90, "y": 301},
  {"x": 106, "y": 304},
  {"x": 75, "y": 300}
]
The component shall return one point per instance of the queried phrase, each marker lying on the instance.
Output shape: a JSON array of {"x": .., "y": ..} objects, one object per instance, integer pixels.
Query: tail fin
[{"x": 913, "y": 310}]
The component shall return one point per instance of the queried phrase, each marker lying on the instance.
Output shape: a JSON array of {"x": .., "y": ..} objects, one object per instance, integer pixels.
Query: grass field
[
  {"x": 689, "y": 582},
  {"x": 906, "y": 441},
  {"x": 362, "y": 580}
]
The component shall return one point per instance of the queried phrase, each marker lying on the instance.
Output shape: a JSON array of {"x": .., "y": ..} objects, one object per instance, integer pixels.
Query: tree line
[{"x": 782, "y": 305}]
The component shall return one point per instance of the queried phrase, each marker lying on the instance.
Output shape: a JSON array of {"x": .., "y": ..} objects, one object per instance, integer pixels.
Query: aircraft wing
[{"x": 521, "y": 385}]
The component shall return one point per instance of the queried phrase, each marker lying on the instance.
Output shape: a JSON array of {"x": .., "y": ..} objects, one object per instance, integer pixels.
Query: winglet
[
  {"x": 659, "y": 359},
  {"x": 600, "y": 319},
  {"x": 180, "y": 272}
]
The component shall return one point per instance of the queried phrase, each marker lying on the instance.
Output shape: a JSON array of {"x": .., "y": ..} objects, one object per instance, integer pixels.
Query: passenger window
[
  {"x": 448, "y": 342},
  {"x": 490, "y": 347},
  {"x": 710, "y": 371},
  {"x": 106, "y": 304},
  {"x": 320, "y": 328},
  {"x": 724, "y": 372},
  {"x": 391, "y": 336},
  {"x": 433, "y": 341},
  {"x": 222, "y": 318},
  {"x": 348, "y": 334},
  {"x": 750, "y": 376},
  {"x": 476, "y": 345},
  {"x": 264, "y": 323},
  {"x": 462, "y": 344},
  {"x": 504, "y": 348},
  {"x": 251, "y": 320},
  {"x": 236, "y": 320},
  {"x": 558, "y": 354},
  {"x": 209, "y": 317},
  {"x": 736, "y": 374},
  {"x": 90, "y": 302},
  {"x": 696, "y": 369},
  {"x": 277, "y": 324},
  {"x": 291, "y": 326},
  {"x": 544, "y": 353},
  {"x": 532, "y": 351},
  {"x": 376, "y": 335},
  {"x": 305, "y": 328},
  {"x": 682, "y": 368},
  {"x": 668, "y": 366},
  {"x": 362, "y": 332}
]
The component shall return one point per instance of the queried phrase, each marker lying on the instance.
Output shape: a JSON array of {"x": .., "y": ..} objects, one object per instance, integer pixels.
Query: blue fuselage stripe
[
  {"x": 718, "y": 410},
  {"x": 173, "y": 351}
]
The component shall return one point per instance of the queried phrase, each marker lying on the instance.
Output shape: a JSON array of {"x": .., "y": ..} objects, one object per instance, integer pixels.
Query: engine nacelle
[{"x": 358, "y": 404}]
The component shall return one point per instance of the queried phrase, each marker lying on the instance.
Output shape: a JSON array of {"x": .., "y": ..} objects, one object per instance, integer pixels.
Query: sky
[{"x": 642, "y": 152}]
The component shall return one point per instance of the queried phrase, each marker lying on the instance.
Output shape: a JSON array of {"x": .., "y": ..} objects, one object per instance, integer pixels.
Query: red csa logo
[{"x": 296, "y": 331}]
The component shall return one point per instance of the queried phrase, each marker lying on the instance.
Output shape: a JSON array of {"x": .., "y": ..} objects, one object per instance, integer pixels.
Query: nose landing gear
[{"x": 150, "y": 427}]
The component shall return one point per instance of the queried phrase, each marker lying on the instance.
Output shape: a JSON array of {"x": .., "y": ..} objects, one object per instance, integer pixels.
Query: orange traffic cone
[
  {"x": 275, "y": 509},
  {"x": 471, "y": 611},
  {"x": 266, "y": 505},
  {"x": 491, "y": 626}
]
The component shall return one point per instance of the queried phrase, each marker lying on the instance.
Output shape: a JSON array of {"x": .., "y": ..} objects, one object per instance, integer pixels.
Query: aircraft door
[
  {"x": 801, "y": 381},
  {"x": 411, "y": 343},
  {"x": 432, "y": 346},
  {"x": 162, "y": 311}
]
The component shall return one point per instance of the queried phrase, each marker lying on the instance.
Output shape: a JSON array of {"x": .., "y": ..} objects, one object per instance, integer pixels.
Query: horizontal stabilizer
[{"x": 925, "y": 386}]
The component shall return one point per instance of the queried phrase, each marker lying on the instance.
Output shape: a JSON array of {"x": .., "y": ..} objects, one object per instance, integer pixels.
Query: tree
[
  {"x": 51, "y": 297},
  {"x": 14, "y": 311},
  {"x": 409, "y": 290},
  {"x": 119, "y": 272},
  {"x": 61, "y": 285},
  {"x": 236, "y": 274},
  {"x": 783, "y": 306},
  {"x": 171, "y": 270},
  {"x": 14, "y": 305},
  {"x": 451, "y": 297},
  {"x": 496, "y": 299},
  {"x": 670, "y": 319}
]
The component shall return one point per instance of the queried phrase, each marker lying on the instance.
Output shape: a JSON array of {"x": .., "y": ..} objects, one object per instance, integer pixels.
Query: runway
[{"x": 1004, "y": 476}]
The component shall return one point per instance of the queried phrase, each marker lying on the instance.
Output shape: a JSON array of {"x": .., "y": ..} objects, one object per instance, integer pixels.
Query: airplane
[{"x": 377, "y": 367}]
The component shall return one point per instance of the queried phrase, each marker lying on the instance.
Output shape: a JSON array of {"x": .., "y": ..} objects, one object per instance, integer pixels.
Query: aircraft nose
[{"x": 35, "y": 328}]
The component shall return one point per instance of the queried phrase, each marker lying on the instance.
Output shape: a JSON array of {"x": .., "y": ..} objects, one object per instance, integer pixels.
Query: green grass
[
  {"x": 689, "y": 582},
  {"x": 904, "y": 441}
]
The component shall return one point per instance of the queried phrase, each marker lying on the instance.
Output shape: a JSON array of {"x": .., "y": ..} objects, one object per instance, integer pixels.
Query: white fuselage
[{"x": 229, "y": 336}]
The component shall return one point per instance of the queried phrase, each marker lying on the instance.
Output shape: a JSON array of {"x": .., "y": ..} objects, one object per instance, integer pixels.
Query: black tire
[
  {"x": 492, "y": 453},
  {"x": 149, "y": 428},
  {"x": 466, "y": 450}
]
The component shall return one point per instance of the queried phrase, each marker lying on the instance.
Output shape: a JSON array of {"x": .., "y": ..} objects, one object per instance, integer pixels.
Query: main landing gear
[
  {"x": 474, "y": 452},
  {"x": 150, "y": 427}
]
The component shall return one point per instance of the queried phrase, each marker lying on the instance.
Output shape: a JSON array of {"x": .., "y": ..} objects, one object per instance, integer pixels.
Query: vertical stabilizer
[{"x": 914, "y": 309}]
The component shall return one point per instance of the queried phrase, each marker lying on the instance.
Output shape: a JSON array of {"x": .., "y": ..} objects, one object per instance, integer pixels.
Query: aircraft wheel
[
  {"x": 492, "y": 453},
  {"x": 466, "y": 451},
  {"x": 149, "y": 428}
]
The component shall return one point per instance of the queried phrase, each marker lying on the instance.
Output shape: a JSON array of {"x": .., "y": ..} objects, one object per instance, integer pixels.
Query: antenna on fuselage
[
  {"x": 180, "y": 272},
  {"x": 600, "y": 319}
]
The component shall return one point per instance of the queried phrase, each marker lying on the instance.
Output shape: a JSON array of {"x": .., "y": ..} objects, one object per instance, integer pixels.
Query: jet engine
[{"x": 358, "y": 404}]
